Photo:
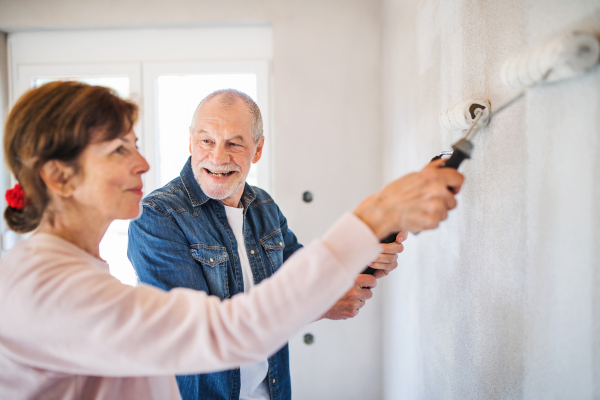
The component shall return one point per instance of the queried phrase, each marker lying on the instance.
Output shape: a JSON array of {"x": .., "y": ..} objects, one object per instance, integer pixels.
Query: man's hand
[
  {"x": 387, "y": 261},
  {"x": 353, "y": 300},
  {"x": 413, "y": 203},
  {"x": 349, "y": 305}
]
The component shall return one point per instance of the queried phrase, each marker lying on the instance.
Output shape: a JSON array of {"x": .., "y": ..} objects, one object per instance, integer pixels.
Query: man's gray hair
[{"x": 227, "y": 98}]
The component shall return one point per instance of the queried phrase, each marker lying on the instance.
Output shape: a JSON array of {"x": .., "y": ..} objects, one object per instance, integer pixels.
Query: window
[{"x": 167, "y": 72}]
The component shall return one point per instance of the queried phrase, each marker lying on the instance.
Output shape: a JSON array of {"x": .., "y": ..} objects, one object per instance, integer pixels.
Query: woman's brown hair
[{"x": 57, "y": 121}]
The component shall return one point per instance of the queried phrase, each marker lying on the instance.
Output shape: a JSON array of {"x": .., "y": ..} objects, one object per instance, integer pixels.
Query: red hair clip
[{"x": 15, "y": 197}]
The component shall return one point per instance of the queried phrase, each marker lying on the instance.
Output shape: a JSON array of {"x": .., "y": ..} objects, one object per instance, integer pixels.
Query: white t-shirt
[{"x": 254, "y": 385}]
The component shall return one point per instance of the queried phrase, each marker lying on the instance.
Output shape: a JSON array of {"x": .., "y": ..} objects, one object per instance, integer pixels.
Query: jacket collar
[{"x": 198, "y": 197}]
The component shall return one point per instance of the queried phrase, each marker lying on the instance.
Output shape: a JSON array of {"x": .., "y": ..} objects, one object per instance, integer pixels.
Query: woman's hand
[{"x": 413, "y": 203}]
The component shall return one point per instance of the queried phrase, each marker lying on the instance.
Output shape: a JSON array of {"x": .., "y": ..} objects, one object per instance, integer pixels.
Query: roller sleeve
[
  {"x": 563, "y": 57},
  {"x": 460, "y": 116}
]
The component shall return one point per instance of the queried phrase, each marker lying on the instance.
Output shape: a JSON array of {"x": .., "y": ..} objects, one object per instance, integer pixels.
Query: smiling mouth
[{"x": 219, "y": 174}]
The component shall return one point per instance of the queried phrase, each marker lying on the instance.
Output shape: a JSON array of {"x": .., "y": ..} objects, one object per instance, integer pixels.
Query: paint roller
[
  {"x": 566, "y": 56},
  {"x": 561, "y": 58},
  {"x": 459, "y": 116},
  {"x": 464, "y": 115}
]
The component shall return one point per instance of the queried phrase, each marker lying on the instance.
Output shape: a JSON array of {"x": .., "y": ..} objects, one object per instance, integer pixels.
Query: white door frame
[
  {"x": 137, "y": 46},
  {"x": 26, "y": 73}
]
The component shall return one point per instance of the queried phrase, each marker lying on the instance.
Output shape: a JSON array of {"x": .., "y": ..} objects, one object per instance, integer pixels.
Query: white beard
[{"x": 218, "y": 191}]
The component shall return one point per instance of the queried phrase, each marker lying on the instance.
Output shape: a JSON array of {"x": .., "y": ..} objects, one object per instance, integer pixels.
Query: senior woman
[{"x": 69, "y": 330}]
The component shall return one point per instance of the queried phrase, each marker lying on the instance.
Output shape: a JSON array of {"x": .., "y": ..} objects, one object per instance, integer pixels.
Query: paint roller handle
[
  {"x": 442, "y": 154},
  {"x": 390, "y": 239},
  {"x": 455, "y": 160},
  {"x": 462, "y": 150}
]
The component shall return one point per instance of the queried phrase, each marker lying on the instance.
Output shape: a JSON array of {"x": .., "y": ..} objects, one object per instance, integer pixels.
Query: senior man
[{"x": 209, "y": 230}]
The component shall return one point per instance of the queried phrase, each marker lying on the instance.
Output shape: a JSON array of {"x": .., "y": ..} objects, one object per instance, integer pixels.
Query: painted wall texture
[{"x": 503, "y": 301}]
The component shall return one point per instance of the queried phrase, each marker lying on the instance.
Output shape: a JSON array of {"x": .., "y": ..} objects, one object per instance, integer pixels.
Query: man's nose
[{"x": 219, "y": 155}]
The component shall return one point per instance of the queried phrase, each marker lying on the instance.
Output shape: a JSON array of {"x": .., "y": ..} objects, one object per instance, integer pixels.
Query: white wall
[
  {"x": 326, "y": 106},
  {"x": 503, "y": 301}
]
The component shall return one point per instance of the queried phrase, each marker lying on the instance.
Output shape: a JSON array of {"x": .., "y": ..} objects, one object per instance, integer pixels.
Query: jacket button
[
  {"x": 273, "y": 380},
  {"x": 251, "y": 251},
  {"x": 210, "y": 259},
  {"x": 281, "y": 244}
]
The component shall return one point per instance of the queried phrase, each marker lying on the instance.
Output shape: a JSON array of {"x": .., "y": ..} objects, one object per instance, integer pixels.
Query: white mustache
[{"x": 219, "y": 168}]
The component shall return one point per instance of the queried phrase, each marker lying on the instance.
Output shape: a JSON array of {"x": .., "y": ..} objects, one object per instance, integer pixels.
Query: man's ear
[
  {"x": 259, "y": 150},
  {"x": 58, "y": 177},
  {"x": 190, "y": 148}
]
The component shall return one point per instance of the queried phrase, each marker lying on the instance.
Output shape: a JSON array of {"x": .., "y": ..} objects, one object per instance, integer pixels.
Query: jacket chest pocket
[
  {"x": 213, "y": 261},
  {"x": 273, "y": 246}
]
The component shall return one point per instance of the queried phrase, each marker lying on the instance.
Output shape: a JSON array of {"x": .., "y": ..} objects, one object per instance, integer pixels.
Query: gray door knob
[
  {"x": 309, "y": 338},
  {"x": 307, "y": 197}
]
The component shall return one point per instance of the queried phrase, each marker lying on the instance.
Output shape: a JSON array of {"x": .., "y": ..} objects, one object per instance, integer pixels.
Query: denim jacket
[{"x": 183, "y": 239}]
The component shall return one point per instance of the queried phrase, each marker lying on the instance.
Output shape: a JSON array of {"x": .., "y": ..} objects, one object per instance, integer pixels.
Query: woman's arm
[
  {"x": 67, "y": 316},
  {"x": 62, "y": 314}
]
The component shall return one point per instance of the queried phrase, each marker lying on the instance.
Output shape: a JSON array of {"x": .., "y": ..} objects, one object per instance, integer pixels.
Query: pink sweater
[{"x": 69, "y": 330}]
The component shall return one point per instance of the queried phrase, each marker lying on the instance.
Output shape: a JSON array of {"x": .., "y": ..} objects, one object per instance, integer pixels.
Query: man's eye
[{"x": 120, "y": 150}]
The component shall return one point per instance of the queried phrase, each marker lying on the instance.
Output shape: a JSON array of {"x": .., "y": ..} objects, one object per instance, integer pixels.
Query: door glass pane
[
  {"x": 113, "y": 247},
  {"x": 178, "y": 96}
]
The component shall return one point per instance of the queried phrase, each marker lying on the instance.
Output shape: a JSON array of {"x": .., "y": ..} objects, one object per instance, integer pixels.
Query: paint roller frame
[
  {"x": 460, "y": 116},
  {"x": 464, "y": 147}
]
